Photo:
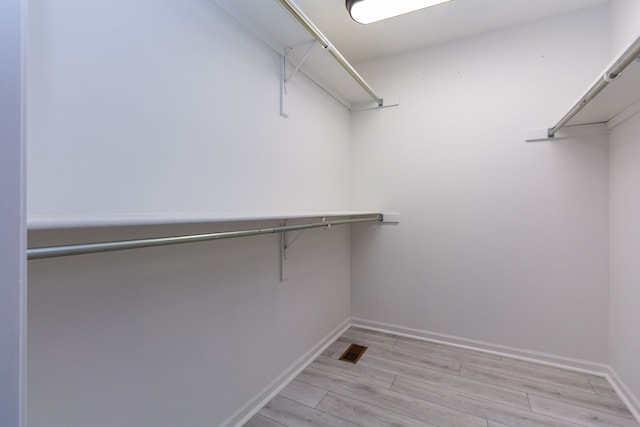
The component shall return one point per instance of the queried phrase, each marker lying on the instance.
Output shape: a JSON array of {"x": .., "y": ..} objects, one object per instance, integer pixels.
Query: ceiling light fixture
[{"x": 368, "y": 11}]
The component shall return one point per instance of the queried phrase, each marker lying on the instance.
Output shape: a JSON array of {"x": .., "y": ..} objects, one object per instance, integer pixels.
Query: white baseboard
[
  {"x": 584, "y": 366},
  {"x": 600, "y": 369},
  {"x": 578, "y": 365},
  {"x": 627, "y": 396},
  {"x": 269, "y": 392}
]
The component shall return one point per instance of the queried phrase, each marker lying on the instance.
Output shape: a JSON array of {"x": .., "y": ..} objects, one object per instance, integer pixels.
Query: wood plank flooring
[{"x": 407, "y": 382}]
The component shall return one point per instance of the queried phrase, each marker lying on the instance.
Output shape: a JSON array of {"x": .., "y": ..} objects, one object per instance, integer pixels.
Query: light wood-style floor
[{"x": 406, "y": 382}]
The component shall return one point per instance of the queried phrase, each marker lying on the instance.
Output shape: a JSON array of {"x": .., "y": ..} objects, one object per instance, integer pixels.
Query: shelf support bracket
[
  {"x": 285, "y": 244},
  {"x": 306, "y": 56},
  {"x": 284, "y": 105},
  {"x": 283, "y": 251},
  {"x": 287, "y": 78}
]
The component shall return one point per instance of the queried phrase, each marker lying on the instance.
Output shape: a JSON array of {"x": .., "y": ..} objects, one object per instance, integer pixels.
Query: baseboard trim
[
  {"x": 578, "y": 365},
  {"x": 248, "y": 410},
  {"x": 599, "y": 369},
  {"x": 625, "y": 393}
]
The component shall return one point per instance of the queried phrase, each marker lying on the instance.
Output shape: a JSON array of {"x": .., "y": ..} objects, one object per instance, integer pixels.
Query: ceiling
[{"x": 454, "y": 20}]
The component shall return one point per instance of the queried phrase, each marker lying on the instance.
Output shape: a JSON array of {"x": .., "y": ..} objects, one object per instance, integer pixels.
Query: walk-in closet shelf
[
  {"x": 278, "y": 24},
  {"x": 98, "y": 247},
  {"x": 613, "y": 97},
  {"x": 35, "y": 222}
]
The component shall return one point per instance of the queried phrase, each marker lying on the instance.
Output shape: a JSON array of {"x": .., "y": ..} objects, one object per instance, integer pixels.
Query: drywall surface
[
  {"x": 500, "y": 241},
  {"x": 12, "y": 232},
  {"x": 624, "y": 249},
  {"x": 163, "y": 107},
  {"x": 176, "y": 335},
  {"x": 624, "y": 205},
  {"x": 625, "y": 23},
  {"x": 170, "y": 106}
]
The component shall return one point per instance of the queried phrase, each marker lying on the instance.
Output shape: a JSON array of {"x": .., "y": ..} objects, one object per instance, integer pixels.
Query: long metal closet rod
[
  {"x": 326, "y": 44},
  {"x": 613, "y": 72},
  {"x": 92, "y": 248}
]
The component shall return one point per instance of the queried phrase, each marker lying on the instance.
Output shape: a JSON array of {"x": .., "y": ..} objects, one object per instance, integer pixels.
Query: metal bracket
[
  {"x": 283, "y": 251},
  {"x": 283, "y": 89},
  {"x": 609, "y": 78},
  {"x": 285, "y": 78},
  {"x": 285, "y": 244},
  {"x": 288, "y": 51}
]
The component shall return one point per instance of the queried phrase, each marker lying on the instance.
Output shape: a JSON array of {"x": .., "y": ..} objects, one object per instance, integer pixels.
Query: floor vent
[{"x": 353, "y": 353}]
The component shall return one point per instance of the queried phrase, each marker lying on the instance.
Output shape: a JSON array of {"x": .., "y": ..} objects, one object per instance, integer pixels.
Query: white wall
[
  {"x": 625, "y": 23},
  {"x": 624, "y": 164},
  {"x": 500, "y": 241},
  {"x": 177, "y": 335},
  {"x": 161, "y": 107},
  {"x": 625, "y": 245},
  {"x": 169, "y": 101},
  {"x": 12, "y": 227}
]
